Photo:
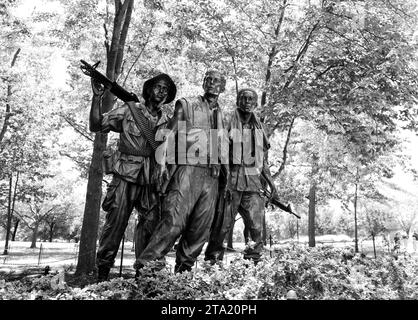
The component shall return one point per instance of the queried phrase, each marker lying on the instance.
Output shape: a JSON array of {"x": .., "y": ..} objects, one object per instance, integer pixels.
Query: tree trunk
[
  {"x": 51, "y": 231},
  {"x": 10, "y": 212},
  {"x": 15, "y": 230},
  {"x": 34, "y": 235},
  {"x": 374, "y": 246},
  {"x": 311, "y": 214},
  {"x": 264, "y": 229},
  {"x": 355, "y": 216},
  {"x": 9, "y": 216},
  {"x": 8, "y": 113},
  {"x": 312, "y": 201},
  {"x": 88, "y": 238}
]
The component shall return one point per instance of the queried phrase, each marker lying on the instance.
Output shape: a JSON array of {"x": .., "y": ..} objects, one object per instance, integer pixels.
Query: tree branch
[
  {"x": 228, "y": 47},
  {"x": 299, "y": 56},
  {"x": 106, "y": 43},
  {"x": 398, "y": 10},
  {"x": 9, "y": 95},
  {"x": 31, "y": 208},
  {"x": 284, "y": 159},
  {"x": 45, "y": 215},
  {"x": 81, "y": 164},
  {"x": 15, "y": 191},
  {"x": 77, "y": 128},
  {"x": 128, "y": 14},
  {"x": 231, "y": 52},
  {"x": 272, "y": 55},
  {"x": 340, "y": 15},
  {"x": 322, "y": 73},
  {"x": 117, "y": 5},
  {"x": 347, "y": 38},
  {"x": 140, "y": 54},
  {"x": 251, "y": 19},
  {"x": 113, "y": 56},
  {"x": 15, "y": 57}
]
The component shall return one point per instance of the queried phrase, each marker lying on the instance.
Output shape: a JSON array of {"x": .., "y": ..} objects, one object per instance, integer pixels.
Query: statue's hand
[
  {"x": 160, "y": 175},
  {"x": 227, "y": 194},
  {"x": 164, "y": 175},
  {"x": 161, "y": 103},
  {"x": 273, "y": 191},
  {"x": 97, "y": 87}
]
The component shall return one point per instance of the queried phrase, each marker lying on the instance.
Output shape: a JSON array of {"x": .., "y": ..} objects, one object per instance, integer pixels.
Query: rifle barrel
[
  {"x": 113, "y": 87},
  {"x": 283, "y": 207},
  {"x": 122, "y": 94},
  {"x": 280, "y": 205}
]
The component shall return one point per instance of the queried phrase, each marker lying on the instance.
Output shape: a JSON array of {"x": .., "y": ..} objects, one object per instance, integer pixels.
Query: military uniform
[
  {"x": 133, "y": 184},
  {"x": 244, "y": 185},
  {"x": 189, "y": 205}
]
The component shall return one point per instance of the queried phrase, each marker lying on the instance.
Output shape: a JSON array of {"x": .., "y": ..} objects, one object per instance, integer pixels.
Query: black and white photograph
[{"x": 209, "y": 158}]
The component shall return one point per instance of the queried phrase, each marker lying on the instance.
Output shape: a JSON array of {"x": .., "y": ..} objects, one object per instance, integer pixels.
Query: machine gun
[
  {"x": 125, "y": 96},
  {"x": 112, "y": 86},
  {"x": 274, "y": 201}
]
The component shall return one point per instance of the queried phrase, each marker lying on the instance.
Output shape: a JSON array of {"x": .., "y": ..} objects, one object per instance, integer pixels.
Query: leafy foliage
[{"x": 313, "y": 273}]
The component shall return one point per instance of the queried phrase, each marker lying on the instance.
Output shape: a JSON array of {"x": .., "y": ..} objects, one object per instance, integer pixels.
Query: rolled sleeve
[{"x": 112, "y": 120}]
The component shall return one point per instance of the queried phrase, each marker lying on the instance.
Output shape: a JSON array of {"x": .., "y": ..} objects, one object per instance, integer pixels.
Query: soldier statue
[
  {"x": 189, "y": 203},
  {"x": 249, "y": 174},
  {"x": 134, "y": 183}
]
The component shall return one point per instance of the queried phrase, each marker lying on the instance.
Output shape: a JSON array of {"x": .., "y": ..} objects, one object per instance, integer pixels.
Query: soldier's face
[
  {"x": 159, "y": 91},
  {"x": 247, "y": 101},
  {"x": 213, "y": 83}
]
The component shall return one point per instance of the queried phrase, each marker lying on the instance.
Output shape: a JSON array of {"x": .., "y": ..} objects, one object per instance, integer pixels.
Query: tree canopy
[{"x": 337, "y": 82}]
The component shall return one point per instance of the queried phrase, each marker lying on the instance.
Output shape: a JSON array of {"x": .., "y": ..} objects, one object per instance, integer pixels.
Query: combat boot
[
  {"x": 103, "y": 274},
  {"x": 182, "y": 268}
]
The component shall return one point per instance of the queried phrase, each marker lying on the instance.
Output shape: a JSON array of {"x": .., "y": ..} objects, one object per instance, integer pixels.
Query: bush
[{"x": 313, "y": 273}]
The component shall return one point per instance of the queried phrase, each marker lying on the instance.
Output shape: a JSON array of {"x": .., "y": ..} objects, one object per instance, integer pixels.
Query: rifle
[
  {"x": 112, "y": 86},
  {"x": 274, "y": 201},
  {"x": 125, "y": 96}
]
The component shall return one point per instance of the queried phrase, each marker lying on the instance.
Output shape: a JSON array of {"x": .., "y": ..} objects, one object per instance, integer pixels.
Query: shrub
[{"x": 313, "y": 273}]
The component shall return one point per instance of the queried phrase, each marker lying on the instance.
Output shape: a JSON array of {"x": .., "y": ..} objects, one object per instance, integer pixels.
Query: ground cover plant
[{"x": 313, "y": 273}]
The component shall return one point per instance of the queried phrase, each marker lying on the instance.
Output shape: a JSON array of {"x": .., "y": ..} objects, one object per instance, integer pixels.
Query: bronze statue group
[{"x": 187, "y": 175}]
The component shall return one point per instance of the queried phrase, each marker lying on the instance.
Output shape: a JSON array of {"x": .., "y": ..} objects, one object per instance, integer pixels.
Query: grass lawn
[{"x": 22, "y": 261}]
